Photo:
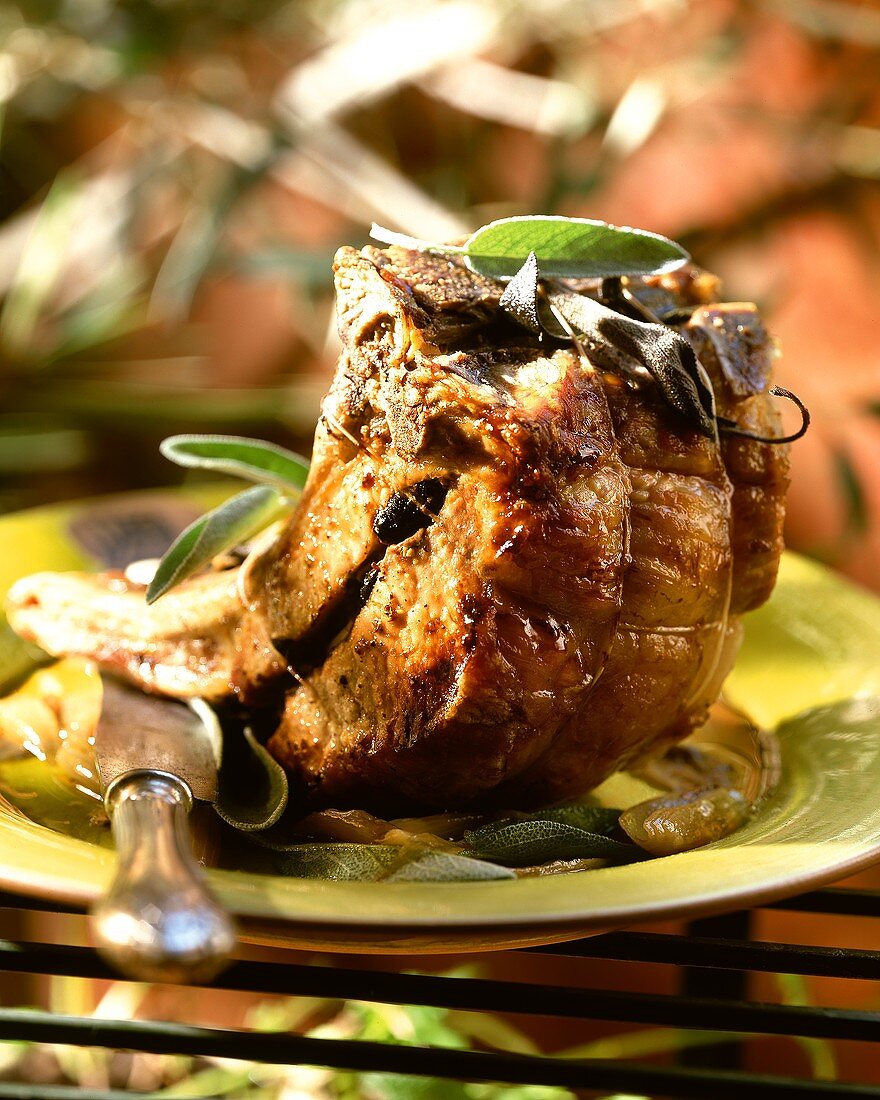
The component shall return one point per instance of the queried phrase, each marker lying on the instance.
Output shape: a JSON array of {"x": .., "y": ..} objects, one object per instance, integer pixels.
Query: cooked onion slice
[{"x": 678, "y": 823}]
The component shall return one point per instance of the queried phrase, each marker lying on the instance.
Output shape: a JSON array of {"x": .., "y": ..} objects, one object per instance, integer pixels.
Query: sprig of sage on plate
[
  {"x": 494, "y": 850},
  {"x": 350, "y": 862},
  {"x": 280, "y": 475}
]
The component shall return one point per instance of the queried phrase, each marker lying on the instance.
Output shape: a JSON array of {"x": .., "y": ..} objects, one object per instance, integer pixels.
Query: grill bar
[
  {"x": 281, "y": 1049},
  {"x": 11, "y": 900},
  {"x": 841, "y": 902},
  {"x": 731, "y": 985},
  {"x": 723, "y": 954},
  {"x": 717, "y": 946},
  {"x": 477, "y": 994}
]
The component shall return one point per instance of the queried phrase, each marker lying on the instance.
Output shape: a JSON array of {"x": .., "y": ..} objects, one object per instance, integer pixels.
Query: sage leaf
[
  {"x": 435, "y": 866},
  {"x": 233, "y": 522},
  {"x": 526, "y": 843},
  {"x": 251, "y": 459},
  {"x": 520, "y": 297},
  {"x": 624, "y": 344},
  {"x": 593, "y": 819},
  {"x": 573, "y": 248},
  {"x": 375, "y": 862},
  {"x": 336, "y": 862},
  {"x": 253, "y": 787}
]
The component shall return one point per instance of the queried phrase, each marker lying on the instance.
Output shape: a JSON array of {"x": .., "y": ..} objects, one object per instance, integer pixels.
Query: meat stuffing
[{"x": 510, "y": 572}]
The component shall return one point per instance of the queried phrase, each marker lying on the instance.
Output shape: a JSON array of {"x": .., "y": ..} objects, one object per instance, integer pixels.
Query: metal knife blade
[{"x": 145, "y": 731}]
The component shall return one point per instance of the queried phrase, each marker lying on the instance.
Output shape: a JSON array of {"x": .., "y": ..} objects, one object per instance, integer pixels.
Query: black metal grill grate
[{"x": 715, "y": 954}]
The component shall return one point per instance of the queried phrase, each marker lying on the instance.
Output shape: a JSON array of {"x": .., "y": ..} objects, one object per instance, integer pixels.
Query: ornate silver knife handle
[{"x": 158, "y": 921}]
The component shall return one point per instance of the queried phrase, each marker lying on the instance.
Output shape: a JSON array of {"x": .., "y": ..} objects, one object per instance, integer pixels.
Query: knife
[{"x": 158, "y": 921}]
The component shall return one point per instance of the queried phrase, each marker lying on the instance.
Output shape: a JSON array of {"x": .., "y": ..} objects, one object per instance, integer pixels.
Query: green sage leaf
[
  {"x": 336, "y": 862},
  {"x": 574, "y": 248},
  {"x": 251, "y": 459},
  {"x": 233, "y": 522},
  {"x": 377, "y": 862},
  {"x": 520, "y": 297},
  {"x": 436, "y": 866},
  {"x": 526, "y": 843},
  {"x": 593, "y": 819},
  {"x": 626, "y": 345},
  {"x": 253, "y": 787},
  {"x": 853, "y": 492}
]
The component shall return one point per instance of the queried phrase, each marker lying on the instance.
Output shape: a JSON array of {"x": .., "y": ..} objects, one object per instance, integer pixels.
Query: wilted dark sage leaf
[
  {"x": 525, "y": 843},
  {"x": 624, "y": 344},
  {"x": 253, "y": 786}
]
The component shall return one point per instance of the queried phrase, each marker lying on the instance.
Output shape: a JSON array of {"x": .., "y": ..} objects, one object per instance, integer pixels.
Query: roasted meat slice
[
  {"x": 511, "y": 571},
  {"x": 196, "y": 643}
]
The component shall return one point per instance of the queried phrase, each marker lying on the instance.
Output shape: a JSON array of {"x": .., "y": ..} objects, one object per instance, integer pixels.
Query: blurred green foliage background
[{"x": 175, "y": 178}]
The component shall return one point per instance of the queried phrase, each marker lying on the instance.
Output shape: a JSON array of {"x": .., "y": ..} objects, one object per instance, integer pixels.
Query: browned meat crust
[
  {"x": 573, "y": 602},
  {"x": 510, "y": 573}
]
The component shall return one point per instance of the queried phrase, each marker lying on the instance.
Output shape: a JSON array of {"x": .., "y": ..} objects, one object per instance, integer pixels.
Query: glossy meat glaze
[{"x": 510, "y": 572}]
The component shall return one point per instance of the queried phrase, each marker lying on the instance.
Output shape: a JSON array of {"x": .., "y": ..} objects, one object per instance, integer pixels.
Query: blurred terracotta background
[{"x": 176, "y": 177}]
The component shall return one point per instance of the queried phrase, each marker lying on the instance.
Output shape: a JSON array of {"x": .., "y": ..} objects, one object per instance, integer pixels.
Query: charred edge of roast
[{"x": 311, "y": 649}]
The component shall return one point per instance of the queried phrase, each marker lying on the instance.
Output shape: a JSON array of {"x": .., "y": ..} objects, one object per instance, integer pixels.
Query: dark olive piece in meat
[{"x": 410, "y": 511}]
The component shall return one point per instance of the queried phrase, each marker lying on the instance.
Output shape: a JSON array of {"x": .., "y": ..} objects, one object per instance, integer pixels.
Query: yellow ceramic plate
[{"x": 810, "y": 668}]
